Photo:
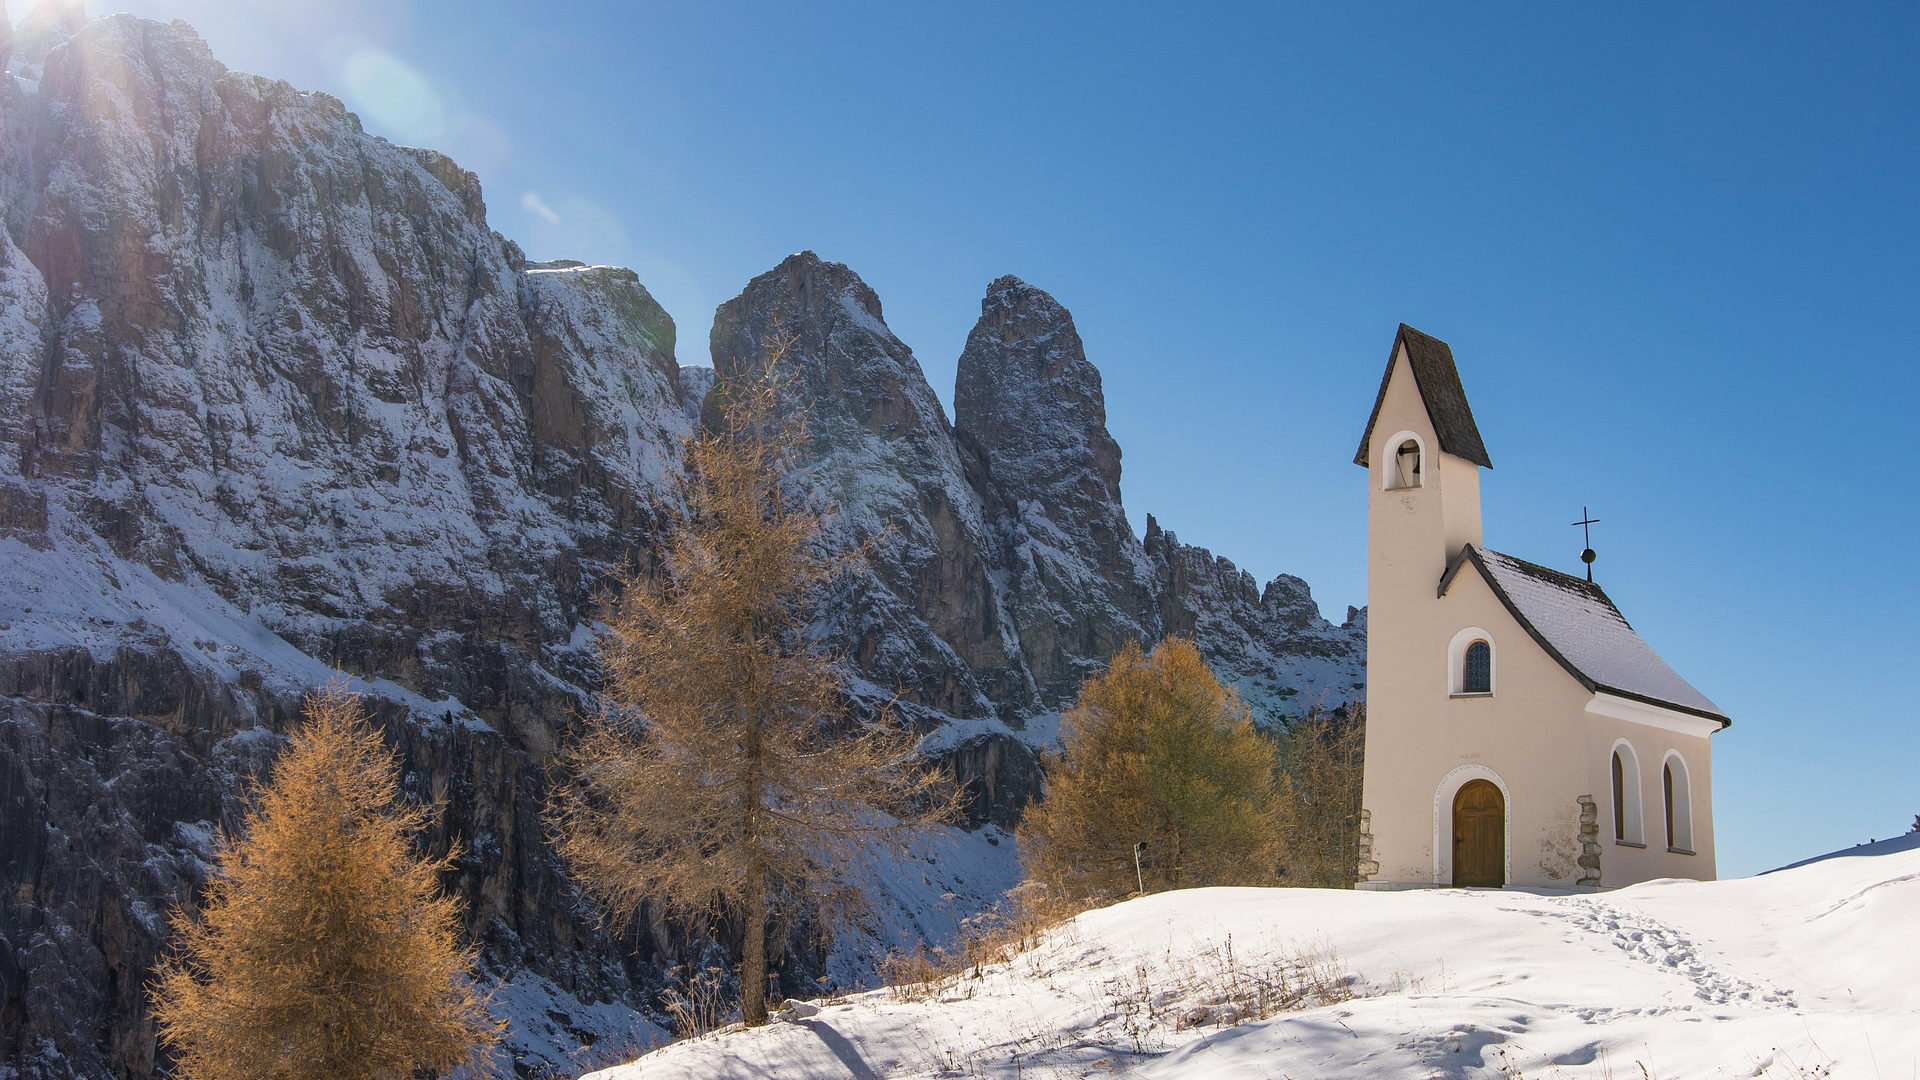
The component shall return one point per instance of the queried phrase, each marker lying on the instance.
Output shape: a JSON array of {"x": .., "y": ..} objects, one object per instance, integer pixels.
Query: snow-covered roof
[{"x": 1581, "y": 628}]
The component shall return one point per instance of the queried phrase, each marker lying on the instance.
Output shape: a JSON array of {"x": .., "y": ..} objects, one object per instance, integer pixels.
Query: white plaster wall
[
  {"x": 1622, "y": 864},
  {"x": 1531, "y": 733}
]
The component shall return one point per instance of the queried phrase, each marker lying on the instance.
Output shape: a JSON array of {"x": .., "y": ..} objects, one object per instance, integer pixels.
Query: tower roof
[
  {"x": 1579, "y": 626},
  {"x": 1446, "y": 400}
]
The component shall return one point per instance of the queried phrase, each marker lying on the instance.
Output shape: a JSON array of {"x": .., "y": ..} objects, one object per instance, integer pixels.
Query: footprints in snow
[{"x": 1648, "y": 940}]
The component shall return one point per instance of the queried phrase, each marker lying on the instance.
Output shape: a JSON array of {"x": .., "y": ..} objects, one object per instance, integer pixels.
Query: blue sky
[{"x": 1672, "y": 249}]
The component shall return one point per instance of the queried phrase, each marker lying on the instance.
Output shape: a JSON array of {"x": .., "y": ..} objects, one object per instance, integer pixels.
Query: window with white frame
[
  {"x": 1470, "y": 663},
  {"x": 1677, "y": 796}
]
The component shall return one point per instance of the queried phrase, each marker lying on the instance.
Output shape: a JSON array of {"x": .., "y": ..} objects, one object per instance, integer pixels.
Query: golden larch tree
[
  {"x": 325, "y": 945},
  {"x": 725, "y": 770},
  {"x": 1155, "y": 750}
]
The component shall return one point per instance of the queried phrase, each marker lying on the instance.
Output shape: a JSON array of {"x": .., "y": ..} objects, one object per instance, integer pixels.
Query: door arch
[
  {"x": 1443, "y": 832},
  {"x": 1479, "y": 836}
]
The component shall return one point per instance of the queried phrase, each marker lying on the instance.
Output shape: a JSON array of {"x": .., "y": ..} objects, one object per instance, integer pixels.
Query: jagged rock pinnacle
[
  {"x": 1027, "y": 395},
  {"x": 1029, "y": 403},
  {"x": 884, "y": 458}
]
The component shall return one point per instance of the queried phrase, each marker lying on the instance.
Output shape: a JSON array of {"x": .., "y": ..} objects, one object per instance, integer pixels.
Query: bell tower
[{"x": 1423, "y": 456}]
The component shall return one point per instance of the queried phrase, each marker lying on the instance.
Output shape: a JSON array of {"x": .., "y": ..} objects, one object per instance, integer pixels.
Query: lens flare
[{"x": 394, "y": 97}]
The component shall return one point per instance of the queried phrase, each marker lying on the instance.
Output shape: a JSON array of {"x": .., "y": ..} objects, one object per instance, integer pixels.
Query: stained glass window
[{"x": 1478, "y": 676}]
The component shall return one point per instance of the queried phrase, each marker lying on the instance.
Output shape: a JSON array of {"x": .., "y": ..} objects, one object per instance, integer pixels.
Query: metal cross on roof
[{"x": 1587, "y": 520}]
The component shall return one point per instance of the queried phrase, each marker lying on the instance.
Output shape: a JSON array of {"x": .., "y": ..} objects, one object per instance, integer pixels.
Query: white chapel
[{"x": 1519, "y": 732}]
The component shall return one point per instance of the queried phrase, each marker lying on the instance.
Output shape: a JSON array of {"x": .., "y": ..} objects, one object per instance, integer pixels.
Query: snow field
[{"x": 1805, "y": 972}]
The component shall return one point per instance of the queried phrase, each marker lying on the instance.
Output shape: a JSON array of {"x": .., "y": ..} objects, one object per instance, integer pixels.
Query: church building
[{"x": 1519, "y": 732}]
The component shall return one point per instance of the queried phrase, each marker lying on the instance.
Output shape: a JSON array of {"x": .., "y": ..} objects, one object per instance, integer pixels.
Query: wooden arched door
[{"x": 1479, "y": 836}]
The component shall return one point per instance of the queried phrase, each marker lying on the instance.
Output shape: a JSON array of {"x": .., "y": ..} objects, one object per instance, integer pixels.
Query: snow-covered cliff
[{"x": 275, "y": 403}]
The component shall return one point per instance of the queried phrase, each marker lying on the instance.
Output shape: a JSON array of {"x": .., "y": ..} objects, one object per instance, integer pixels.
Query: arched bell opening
[{"x": 1406, "y": 463}]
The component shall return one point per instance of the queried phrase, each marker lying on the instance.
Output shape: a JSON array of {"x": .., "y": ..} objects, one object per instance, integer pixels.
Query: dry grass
[
  {"x": 985, "y": 940},
  {"x": 1149, "y": 1009},
  {"x": 698, "y": 1005},
  {"x": 1218, "y": 987}
]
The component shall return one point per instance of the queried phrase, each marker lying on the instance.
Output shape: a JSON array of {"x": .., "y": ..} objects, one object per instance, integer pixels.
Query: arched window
[
  {"x": 1678, "y": 794},
  {"x": 1626, "y": 796},
  {"x": 1476, "y": 676},
  {"x": 1619, "y": 798},
  {"x": 1470, "y": 663}
]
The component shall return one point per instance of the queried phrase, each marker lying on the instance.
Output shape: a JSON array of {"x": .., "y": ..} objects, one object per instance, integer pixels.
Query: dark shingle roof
[
  {"x": 1446, "y": 400},
  {"x": 1580, "y": 627}
]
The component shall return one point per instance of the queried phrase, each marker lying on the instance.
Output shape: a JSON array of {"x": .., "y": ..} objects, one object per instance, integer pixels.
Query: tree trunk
[{"x": 753, "y": 958}]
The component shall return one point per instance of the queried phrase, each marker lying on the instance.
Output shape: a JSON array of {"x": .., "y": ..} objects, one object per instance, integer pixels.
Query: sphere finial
[{"x": 1586, "y": 523}]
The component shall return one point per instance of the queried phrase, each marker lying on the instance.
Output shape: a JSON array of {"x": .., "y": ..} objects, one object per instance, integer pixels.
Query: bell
[{"x": 1408, "y": 461}]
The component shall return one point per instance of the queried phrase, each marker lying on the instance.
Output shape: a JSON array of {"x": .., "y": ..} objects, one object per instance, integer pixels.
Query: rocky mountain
[
  {"x": 277, "y": 405},
  {"x": 1029, "y": 410}
]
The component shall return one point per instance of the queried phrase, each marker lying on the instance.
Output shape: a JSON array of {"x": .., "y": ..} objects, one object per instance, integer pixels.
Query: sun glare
[{"x": 394, "y": 96}]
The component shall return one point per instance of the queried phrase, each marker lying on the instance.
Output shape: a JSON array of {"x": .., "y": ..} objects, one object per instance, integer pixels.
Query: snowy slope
[{"x": 1805, "y": 972}]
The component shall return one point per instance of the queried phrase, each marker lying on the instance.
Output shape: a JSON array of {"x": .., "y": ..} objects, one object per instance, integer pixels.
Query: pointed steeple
[{"x": 1440, "y": 390}]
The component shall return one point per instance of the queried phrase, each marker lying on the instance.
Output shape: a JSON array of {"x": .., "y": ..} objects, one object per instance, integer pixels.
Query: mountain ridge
[{"x": 277, "y": 405}]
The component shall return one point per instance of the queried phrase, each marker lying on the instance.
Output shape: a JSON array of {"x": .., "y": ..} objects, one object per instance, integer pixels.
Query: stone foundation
[
  {"x": 1589, "y": 844},
  {"x": 1367, "y": 867}
]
